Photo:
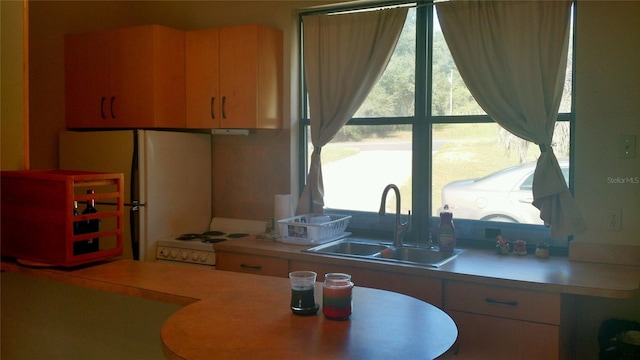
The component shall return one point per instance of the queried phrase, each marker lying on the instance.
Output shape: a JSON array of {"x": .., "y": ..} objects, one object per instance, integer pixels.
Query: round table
[{"x": 252, "y": 319}]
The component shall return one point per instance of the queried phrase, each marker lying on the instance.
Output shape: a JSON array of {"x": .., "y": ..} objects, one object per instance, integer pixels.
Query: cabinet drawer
[
  {"x": 503, "y": 302},
  {"x": 486, "y": 337},
  {"x": 252, "y": 264}
]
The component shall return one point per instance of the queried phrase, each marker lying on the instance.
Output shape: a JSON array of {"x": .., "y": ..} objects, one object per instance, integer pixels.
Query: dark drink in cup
[{"x": 303, "y": 300}]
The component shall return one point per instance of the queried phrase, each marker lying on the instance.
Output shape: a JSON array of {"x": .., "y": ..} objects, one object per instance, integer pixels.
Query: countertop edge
[
  {"x": 70, "y": 276},
  {"x": 148, "y": 279},
  {"x": 555, "y": 274}
]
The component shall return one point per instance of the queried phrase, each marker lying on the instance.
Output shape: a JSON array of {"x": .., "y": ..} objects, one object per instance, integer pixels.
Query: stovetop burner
[
  {"x": 213, "y": 233},
  {"x": 212, "y": 240},
  {"x": 188, "y": 237}
]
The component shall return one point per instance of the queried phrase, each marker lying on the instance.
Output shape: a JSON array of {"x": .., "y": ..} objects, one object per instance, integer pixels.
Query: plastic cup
[{"x": 302, "y": 292}]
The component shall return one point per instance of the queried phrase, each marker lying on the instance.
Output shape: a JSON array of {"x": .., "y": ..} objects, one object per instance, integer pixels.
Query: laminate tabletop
[{"x": 253, "y": 320}]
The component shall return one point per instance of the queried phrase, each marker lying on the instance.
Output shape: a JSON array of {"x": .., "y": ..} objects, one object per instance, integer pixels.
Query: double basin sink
[{"x": 368, "y": 249}]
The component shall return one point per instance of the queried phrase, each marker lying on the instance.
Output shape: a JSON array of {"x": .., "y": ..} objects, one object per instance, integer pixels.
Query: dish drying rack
[{"x": 313, "y": 229}]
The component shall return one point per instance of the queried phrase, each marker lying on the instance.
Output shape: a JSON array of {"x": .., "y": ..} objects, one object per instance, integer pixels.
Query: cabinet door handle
[
  {"x": 501, "y": 302},
  {"x": 113, "y": 99},
  {"x": 212, "y": 106},
  {"x": 102, "y": 99},
  {"x": 251, "y": 267},
  {"x": 224, "y": 100}
]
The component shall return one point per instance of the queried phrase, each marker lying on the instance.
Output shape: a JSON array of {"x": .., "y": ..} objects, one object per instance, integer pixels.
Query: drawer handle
[
  {"x": 102, "y": 99},
  {"x": 224, "y": 101},
  {"x": 251, "y": 267},
  {"x": 501, "y": 302},
  {"x": 113, "y": 99}
]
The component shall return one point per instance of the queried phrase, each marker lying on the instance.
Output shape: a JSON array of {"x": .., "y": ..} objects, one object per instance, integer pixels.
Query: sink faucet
[{"x": 400, "y": 228}]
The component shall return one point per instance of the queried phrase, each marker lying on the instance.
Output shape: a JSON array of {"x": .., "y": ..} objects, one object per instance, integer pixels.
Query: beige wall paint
[
  {"x": 12, "y": 86},
  {"x": 607, "y": 106}
]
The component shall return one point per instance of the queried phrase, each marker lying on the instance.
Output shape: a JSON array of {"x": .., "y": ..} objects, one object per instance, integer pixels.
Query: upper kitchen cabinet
[
  {"x": 125, "y": 78},
  {"x": 234, "y": 78}
]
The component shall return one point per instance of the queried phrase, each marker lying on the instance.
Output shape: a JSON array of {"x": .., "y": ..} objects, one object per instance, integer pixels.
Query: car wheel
[{"x": 500, "y": 218}]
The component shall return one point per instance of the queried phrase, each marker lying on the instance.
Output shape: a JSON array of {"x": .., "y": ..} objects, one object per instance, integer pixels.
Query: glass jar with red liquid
[{"x": 336, "y": 296}]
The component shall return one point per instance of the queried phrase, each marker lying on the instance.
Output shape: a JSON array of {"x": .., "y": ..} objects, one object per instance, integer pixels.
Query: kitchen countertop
[
  {"x": 200, "y": 328},
  {"x": 183, "y": 285},
  {"x": 554, "y": 274},
  {"x": 44, "y": 319},
  {"x": 170, "y": 283}
]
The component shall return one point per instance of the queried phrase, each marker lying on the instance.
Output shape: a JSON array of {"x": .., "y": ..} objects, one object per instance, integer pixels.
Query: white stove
[{"x": 197, "y": 248}]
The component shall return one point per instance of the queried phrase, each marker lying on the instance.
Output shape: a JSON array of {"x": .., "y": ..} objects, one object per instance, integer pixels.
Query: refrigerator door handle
[
  {"x": 135, "y": 204},
  {"x": 133, "y": 222},
  {"x": 133, "y": 188}
]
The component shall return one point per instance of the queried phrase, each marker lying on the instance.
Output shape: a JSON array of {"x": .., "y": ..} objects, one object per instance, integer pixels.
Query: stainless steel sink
[
  {"x": 425, "y": 256},
  {"x": 349, "y": 247},
  {"x": 368, "y": 249}
]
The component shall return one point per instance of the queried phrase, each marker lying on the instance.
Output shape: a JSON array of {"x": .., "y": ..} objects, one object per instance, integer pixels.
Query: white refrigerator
[{"x": 167, "y": 176}]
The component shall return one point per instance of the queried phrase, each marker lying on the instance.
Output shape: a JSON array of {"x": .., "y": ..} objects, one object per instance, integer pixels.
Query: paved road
[
  {"x": 357, "y": 182},
  {"x": 370, "y": 146}
]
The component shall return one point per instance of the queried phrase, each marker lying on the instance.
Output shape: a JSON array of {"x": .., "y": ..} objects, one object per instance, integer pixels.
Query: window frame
[{"x": 424, "y": 224}]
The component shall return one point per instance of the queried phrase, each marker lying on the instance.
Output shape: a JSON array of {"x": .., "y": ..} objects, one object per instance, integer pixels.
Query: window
[{"x": 421, "y": 129}]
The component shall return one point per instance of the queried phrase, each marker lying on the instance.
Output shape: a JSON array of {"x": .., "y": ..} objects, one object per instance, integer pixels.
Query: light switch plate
[{"x": 627, "y": 147}]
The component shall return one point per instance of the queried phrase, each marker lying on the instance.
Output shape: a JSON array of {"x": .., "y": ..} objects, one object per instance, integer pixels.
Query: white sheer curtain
[
  {"x": 344, "y": 56},
  {"x": 512, "y": 56}
]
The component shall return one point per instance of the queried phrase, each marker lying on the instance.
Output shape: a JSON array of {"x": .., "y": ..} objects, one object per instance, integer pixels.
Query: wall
[
  {"x": 243, "y": 169},
  {"x": 607, "y": 106},
  {"x": 12, "y": 86}
]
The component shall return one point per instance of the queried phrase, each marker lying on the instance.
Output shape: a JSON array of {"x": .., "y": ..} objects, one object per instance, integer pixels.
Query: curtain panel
[
  {"x": 512, "y": 55},
  {"x": 344, "y": 56}
]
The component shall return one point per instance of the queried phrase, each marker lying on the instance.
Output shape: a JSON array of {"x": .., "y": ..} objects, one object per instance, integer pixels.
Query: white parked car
[{"x": 505, "y": 195}]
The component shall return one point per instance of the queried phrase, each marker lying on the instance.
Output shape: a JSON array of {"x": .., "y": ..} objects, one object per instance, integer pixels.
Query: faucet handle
[{"x": 408, "y": 223}]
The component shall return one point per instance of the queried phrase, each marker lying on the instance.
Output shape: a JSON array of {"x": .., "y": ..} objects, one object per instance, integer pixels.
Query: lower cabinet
[
  {"x": 423, "y": 288},
  {"x": 503, "y": 323},
  {"x": 252, "y": 264},
  {"x": 494, "y": 322},
  {"x": 487, "y": 337}
]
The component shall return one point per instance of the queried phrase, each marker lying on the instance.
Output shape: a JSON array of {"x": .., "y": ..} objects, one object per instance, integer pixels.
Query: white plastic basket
[{"x": 313, "y": 228}]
